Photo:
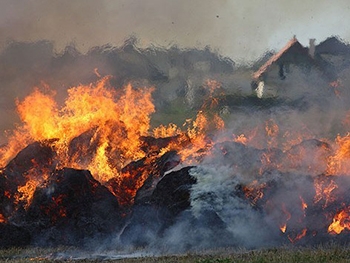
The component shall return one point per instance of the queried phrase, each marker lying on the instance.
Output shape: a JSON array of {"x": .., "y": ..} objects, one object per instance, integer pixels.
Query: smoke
[
  {"x": 232, "y": 27},
  {"x": 241, "y": 31},
  {"x": 216, "y": 192},
  {"x": 175, "y": 47},
  {"x": 90, "y": 23},
  {"x": 36, "y": 64}
]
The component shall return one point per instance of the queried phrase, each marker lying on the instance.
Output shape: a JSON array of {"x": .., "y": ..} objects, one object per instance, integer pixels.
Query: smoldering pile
[{"x": 230, "y": 198}]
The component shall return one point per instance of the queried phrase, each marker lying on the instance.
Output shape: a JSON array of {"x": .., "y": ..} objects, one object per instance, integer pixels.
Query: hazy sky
[{"x": 240, "y": 29}]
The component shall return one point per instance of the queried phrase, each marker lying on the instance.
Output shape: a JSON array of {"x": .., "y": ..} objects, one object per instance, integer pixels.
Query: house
[
  {"x": 296, "y": 69},
  {"x": 275, "y": 75},
  {"x": 334, "y": 56},
  {"x": 333, "y": 46}
]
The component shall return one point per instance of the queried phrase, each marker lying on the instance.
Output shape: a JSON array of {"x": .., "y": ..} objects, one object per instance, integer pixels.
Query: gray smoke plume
[{"x": 240, "y": 30}]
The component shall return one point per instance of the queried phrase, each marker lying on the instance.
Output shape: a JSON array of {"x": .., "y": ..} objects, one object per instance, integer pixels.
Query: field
[{"x": 329, "y": 254}]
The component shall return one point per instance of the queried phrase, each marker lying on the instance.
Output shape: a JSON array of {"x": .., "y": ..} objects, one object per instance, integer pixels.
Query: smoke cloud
[
  {"x": 176, "y": 46},
  {"x": 238, "y": 29}
]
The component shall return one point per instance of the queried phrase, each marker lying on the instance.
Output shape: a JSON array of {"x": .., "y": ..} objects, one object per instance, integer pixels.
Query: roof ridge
[{"x": 275, "y": 57}]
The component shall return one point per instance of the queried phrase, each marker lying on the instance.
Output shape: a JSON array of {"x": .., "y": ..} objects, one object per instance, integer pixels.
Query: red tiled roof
[{"x": 274, "y": 58}]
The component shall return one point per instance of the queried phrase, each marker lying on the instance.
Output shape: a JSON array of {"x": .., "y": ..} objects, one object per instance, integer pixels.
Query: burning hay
[{"x": 94, "y": 168}]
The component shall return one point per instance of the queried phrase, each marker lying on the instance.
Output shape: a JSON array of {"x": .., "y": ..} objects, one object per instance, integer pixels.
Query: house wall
[
  {"x": 293, "y": 85},
  {"x": 272, "y": 83}
]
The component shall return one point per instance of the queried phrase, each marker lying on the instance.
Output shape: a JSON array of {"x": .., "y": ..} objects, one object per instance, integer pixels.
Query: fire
[
  {"x": 267, "y": 163},
  {"x": 254, "y": 191},
  {"x": 298, "y": 236},
  {"x": 35, "y": 176},
  {"x": 339, "y": 162},
  {"x": 56, "y": 209},
  {"x": 249, "y": 138},
  {"x": 26, "y": 192},
  {"x": 336, "y": 85},
  {"x": 341, "y": 221},
  {"x": 104, "y": 130},
  {"x": 16, "y": 142},
  {"x": 39, "y": 119},
  {"x": 324, "y": 191},
  {"x": 126, "y": 189},
  {"x": 197, "y": 131},
  {"x": 212, "y": 85},
  {"x": 7, "y": 194},
  {"x": 2, "y": 219},
  {"x": 303, "y": 204},
  {"x": 283, "y": 228},
  {"x": 293, "y": 137},
  {"x": 293, "y": 236},
  {"x": 194, "y": 141},
  {"x": 100, "y": 128},
  {"x": 58, "y": 203},
  {"x": 241, "y": 139},
  {"x": 287, "y": 214},
  {"x": 119, "y": 118},
  {"x": 272, "y": 131},
  {"x": 166, "y": 131}
]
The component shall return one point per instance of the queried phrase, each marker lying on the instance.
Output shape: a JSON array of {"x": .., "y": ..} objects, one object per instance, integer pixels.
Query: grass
[{"x": 319, "y": 254}]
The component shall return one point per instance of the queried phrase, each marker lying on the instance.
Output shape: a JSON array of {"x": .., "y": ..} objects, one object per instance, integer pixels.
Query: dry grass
[{"x": 327, "y": 254}]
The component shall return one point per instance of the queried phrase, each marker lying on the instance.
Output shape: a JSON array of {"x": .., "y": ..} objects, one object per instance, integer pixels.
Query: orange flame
[
  {"x": 197, "y": 131},
  {"x": 272, "y": 131},
  {"x": 120, "y": 117},
  {"x": 303, "y": 204},
  {"x": 339, "y": 162},
  {"x": 283, "y": 228},
  {"x": 99, "y": 128},
  {"x": 114, "y": 122},
  {"x": 166, "y": 131},
  {"x": 336, "y": 85},
  {"x": 298, "y": 236},
  {"x": 254, "y": 191},
  {"x": 212, "y": 85},
  {"x": 2, "y": 219},
  {"x": 324, "y": 191},
  {"x": 288, "y": 216},
  {"x": 56, "y": 209},
  {"x": 26, "y": 192},
  {"x": 341, "y": 221},
  {"x": 241, "y": 139}
]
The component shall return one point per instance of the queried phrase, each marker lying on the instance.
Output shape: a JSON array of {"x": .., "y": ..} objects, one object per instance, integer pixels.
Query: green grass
[{"x": 327, "y": 254}]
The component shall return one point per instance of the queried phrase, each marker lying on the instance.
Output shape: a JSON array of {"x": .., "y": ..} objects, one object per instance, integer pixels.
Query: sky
[{"x": 240, "y": 29}]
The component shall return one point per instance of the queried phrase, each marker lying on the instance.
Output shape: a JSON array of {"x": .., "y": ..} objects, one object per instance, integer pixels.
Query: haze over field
[{"x": 242, "y": 30}]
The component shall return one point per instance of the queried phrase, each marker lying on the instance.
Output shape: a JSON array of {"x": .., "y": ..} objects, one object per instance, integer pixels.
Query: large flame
[
  {"x": 117, "y": 119},
  {"x": 101, "y": 129}
]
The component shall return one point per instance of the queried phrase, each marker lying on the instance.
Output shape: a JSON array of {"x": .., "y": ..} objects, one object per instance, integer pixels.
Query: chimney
[{"x": 312, "y": 47}]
